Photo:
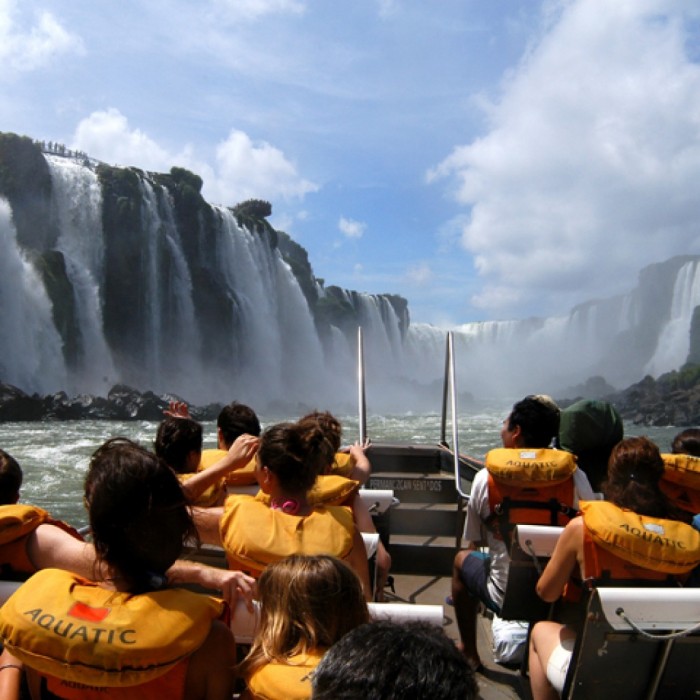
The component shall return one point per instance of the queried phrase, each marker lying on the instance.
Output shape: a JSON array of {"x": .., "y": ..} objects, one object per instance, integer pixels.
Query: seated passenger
[
  {"x": 307, "y": 605},
  {"x": 531, "y": 426},
  {"x": 333, "y": 467},
  {"x": 590, "y": 429},
  {"x": 394, "y": 661},
  {"x": 255, "y": 534},
  {"x": 133, "y": 637},
  {"x": 234, "y": 420},
  {"x": 30, "y": 539},
  {"x": 179, "y": 443},
  {"x": 350, "y": 462},
  {"x": 591, "y": 550}
]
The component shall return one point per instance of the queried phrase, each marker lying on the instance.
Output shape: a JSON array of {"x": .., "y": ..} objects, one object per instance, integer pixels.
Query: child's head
[
  {"x": 138, "y": 513},
  {"x": 308, "y": 602},
  {"x": 10, "y": 479},
  {"x": 179, "y": 444},
  {"x": 331, "y": 429},
  {"x": 234, "y": 420}
]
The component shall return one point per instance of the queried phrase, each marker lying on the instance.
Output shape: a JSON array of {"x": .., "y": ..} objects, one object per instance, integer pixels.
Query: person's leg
[
  {"x": 469, "y": 575},
  {"x": 546, "y": 639}
]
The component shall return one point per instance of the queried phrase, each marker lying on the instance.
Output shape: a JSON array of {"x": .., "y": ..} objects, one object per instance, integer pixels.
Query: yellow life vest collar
[
  {"x": 527, "y": 467},
  {"x": 663, "y": 545},
  {"x": 67, "y": 627},
  {"x": 18, "y": 520},
  {"x": 682, "y": 469}
]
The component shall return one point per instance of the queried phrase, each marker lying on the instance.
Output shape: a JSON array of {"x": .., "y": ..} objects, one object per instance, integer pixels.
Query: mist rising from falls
[{"x": 135, "y": 280}]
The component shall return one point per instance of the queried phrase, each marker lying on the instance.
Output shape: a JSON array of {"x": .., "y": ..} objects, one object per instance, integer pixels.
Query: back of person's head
[
  {"x": 394, "y": 661},
  {"x": 10, "y": 479},
  {"x": 176, "y": 440},
  {"x": 687, "y": 442},
  {"x": 634, "y": 471},
  {"x": 307, "y": 603},
  {"x": 292, "y": 454},
  {"x": 538, "y": 418},
  {"x": 138, "y": 514},
  {"x": 235, "y": 420},
  {"x": 332, "y": 431},
  {"x": 590, "y": 429}
]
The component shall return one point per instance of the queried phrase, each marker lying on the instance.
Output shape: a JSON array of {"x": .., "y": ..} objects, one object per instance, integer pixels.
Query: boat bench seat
[
  {"x": 657, "y": 660},
  {"x": 531, "y": 548},
  {"x": 244, "y": 623}
]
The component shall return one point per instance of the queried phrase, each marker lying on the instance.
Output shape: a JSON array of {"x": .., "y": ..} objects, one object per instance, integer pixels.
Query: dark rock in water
[
  {"x": 122, "y": 403},
  {"x": 15, "y": 405},
  {"x": 672, "y": 399}
]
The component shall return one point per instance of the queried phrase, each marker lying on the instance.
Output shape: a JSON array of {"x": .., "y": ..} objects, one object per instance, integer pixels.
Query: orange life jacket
[
  {"x": 529, "y": 487},
  {"x": 284, "y": 681},
  {"x": 17, "y": 523},
  {"x": 620, "y": 545},
  {"x": 681, "y": 481}
]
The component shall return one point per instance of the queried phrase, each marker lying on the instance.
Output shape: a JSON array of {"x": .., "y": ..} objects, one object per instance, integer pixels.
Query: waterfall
[
  {"x": 135, "y": 279},
  {"x": 30, "y": 346},
  {"x": 77, "y": 202}
]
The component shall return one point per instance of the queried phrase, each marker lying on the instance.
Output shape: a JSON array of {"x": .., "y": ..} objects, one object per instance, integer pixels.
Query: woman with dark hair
[
  {"x": 128, "y": 635},
  {"x": 307, "y": 604},
  {"x": 256, "y": 532},
  {"x": 593, "y": 546}
]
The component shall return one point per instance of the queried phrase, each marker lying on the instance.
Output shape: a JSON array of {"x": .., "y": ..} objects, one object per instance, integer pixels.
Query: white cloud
[
  {"x": 106, "y": 135},
  {"x": 350, "y": 228},
  {"x": 31, "y": 48},
  {"x": 589, "y": 169},
  {"x": 247, "y": 170},
  {"x": 243, "y": 170}
]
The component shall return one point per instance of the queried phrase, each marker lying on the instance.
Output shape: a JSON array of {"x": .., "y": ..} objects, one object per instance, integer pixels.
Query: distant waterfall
[{"x": 135, "y": 279}]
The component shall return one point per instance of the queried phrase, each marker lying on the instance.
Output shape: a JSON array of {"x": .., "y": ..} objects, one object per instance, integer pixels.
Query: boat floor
[{"x": 496, "y": 682}]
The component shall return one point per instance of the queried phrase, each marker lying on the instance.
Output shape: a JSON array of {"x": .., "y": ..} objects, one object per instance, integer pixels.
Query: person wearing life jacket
[
  {"x": 307, "y": 603},
  {"x": 255, "y": 534},
  {"x": 179, "y": 443},
  {"x": 634, "y": 537},
  {"x": 125, "y": 634},
  {"x": 531, "y": 426},
  {"x": 337, "y": 471},
  {"x": 30, "y": 539},
  {"x": 681, "y": 478},
  {"x": 234, "y": 420}
]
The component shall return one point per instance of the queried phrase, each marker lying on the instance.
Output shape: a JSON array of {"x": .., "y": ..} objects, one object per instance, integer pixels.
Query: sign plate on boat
[{"x": 432, "y": 485}]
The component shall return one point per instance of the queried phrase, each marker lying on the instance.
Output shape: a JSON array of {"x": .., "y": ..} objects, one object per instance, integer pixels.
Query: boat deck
[{"x": 497, "y": 682}]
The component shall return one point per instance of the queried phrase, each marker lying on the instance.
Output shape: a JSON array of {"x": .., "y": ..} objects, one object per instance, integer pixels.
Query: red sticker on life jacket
[{"x": 87, "y": 613}]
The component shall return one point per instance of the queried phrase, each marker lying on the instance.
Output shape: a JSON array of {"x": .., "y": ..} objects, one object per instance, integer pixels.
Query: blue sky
[{"x": 486, "y": 159}]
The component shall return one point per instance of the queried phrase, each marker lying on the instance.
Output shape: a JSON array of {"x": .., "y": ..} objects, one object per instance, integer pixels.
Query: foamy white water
[{"x": 55, "y": 456}]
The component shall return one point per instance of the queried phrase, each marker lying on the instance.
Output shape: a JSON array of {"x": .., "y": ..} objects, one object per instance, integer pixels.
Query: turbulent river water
[{"x": 54, "y": 455}]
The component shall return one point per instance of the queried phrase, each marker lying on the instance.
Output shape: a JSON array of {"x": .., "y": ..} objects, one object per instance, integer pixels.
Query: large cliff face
[
  {"x": 112, "y": 275},
  {"x": 133, "y": 277}
]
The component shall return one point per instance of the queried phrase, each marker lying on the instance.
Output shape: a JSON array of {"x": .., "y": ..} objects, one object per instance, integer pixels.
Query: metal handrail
[
  {"x": 450, "y": 387},
  {"x": 361, "y": 399}
]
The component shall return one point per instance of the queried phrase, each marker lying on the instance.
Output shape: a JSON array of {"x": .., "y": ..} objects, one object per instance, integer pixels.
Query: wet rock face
[{"x": 122, "y": 403}]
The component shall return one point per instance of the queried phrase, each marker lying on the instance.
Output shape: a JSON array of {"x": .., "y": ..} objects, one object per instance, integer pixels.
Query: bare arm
[
  {"x": 210, "y": 673},
  {"x": 357, "y": 559},
  {"x": 207, "y": 522},
  {"x": 50, "y": 546},
  {"x": 231, "y": 584},
  {"x": 240, "y": 453},
  {"x": 362, "y": 469},
  {"x": 567, "y": 553}
]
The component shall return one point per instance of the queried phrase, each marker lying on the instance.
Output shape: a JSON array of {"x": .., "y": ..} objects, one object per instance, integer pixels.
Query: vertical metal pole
[
  {"x": 361, "y": 401},
  {"x": 453, "y": 396},
  {"x": 445, "y": 389}
]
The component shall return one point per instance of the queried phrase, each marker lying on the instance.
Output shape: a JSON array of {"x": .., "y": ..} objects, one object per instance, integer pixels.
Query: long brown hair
[
  {"x": 307, "y": 603},
  {"x": 634, "y": 471}
]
